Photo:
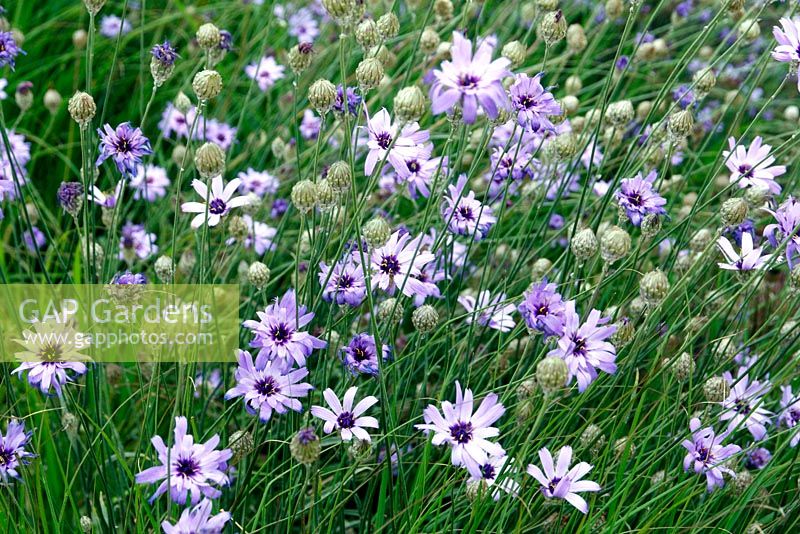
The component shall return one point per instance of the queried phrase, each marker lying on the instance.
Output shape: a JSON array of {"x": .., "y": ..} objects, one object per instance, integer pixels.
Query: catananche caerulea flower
[
  {"x": 786, "y": 228},
  {"x": 165, "y": 53},
  {"x": 361, "y": 356},
  {"x": 788, "y": 48},
  {"x": 125, "y": 145},
  {"x": 387, "y": 143},
  {"x": 638, "y": 198},
  {"x": 584, "y": 347},
  {"x": 218, "y": 201},
  {"x": 790, "y": 413},
  {"x": 543, "y": 309},
  {"x": 198, "y": 520},
  {"x": 344, "y": 417},
  {"x": 187, "y": 469},
  {"x": 418, "y": 174},
  {"x": 268, "y": 386},
  {"x": 744, "y": 406},
  {"x": 533, "y": 103},
  {"x": 470, "y": 81},
  {"x": 399, "y": 263},
  {"x": 488, "y": 472},
  {"x": 488, "y": 310},
  {"x": 750, "y": 258},
  {"x": 559, "y": 481},
  {"x": 266, "y": 72},
  {"x": 9, "y": 50},
  {"x": 706, "y": 454},
  {"x": 260, "y": 236},
  {"x": 464, "y": 214},
  {"x": 343, "y": 282},
  {"x": 259, "y": 182},
  {"x": 150, "y": 182},
  {"x": 466, "y": 432},
  {"x": 753, "y": 166},
  {"x": 277, "y": 333},
  {"x": 12, "y": 450},
  {"x": 136, "y": 242}
]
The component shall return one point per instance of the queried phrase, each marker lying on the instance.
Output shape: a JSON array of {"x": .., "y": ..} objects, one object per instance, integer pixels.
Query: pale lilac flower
[
  {"x": 209, "y": 382},
  {"x": 303, "y": 25},
  {"x": 584, "y": 347},
  {"x": 753, "y": 167},
  {"x": 466, "y": 215},
  {"x": 12, "y": 450},
  {"x": 466, "y": 432},
  {"x": 750, "y": 258},
  {"x": 136, "y": 242},
  {"x": 128, "y": 278},
  {"x": 386, "y": 143},
  {"x": 268, "y": 386},
  {"x": 259, "y": 182},
  {"x": 217, "y": 202},
  {"x": 106, "y": 200},
  {"x": 787, "y": 228},
  {"x": 399, "y": 262},
  {"x": 111, "y": 26},
  {"x": 16, "y": 164},
  {"x": 343, "y": 282},
  {"x": 187, "y": 469},
  {"x": 150, "y": 182},
  {"x": 277, "y": 333},
  {"x": 790, "y": 413},
  {"x": 558, "y": 481},
  {"x": 173, "y": 121},
  {"x": 488, "y": 310},
  {"x": 543, "y": 309},
  {"x": 260, "y": 236},
  {"x": 345, "y": 417},
  {"x": 9, "y": 50},
  {"x": 125, "y": 145},
  {"x": 198, "y": 520},
  {"x": 638, "y": 198},
  {"x": 353, "y": 100},
  {"x": 470, "y": 81},
  {"x": 418, "y": 174},
  {"x": 266, "y": 72},
  {"x": 165, "y": 54},
  {"x": 310, "y": 125},
  {"x": 217, "y": 132},
  {"x": 361, "y": 356},
  {"x": 488, "y": 472},
  {"x": 788, "y": 49},
  {"x": 706, "y": 455},
  {"x": 533, "y": 103},
  {"x": 758, "y": 458},
  {"x": 745, "y": 405},
  {"x": 34, "y": 239}
]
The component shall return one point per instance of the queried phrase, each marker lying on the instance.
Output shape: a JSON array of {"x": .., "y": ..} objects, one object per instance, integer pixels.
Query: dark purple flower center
[
  {"x": 383, "y": 139},
  {"x": 794, "y": 416},
  {"x": 267, "y": 387},
  {"x": 413, "y": 166},
  {"x": 742, "y": 406},
  {"x": 553, "y": 483},
  {"x": 217, "y": 206},
  {"x": 704, "y": 454},
  {"x": 6, "y": 457},
  {"x": 468, "y": 81},
  {"x": 466, "y": 213},
  {"x": 280, "y": 334},
  {"x": 527, "y": 101},
  {"x": 635, "y": 199},
  {"x": 390, "y": 265},
  {"x": 50, "y": 352},
  {"x": 543, "y": 309},
  {"x": 360, "y": 353},
  {"x": 488, "y": 471},
  {"x": 580, "y": 346},
  {"x": 345, "y": 420},
  {"x": 345, "y": 281},
  {"x": 187, "y": 467},
  {"x": 306, "y": 436},
  {"x": 461, "y": 432},
  {"x": 123, "y": 146},
  {"x": 745, "y": 170}
]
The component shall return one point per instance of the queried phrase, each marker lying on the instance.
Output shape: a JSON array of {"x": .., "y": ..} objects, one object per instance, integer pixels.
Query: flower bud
[
  {"x": 409, "y": 104},
  {"x": 716, "y": 389},
  {"x": 614, "y": 244},
  {"x": 82, "y": 108},
  {"x": 653, "y": 287},
  {"x": 551, "y": 374},
  {"x": 614, "y": 9},
  {"x": 680, "y": 124},
  {"x": 564, "y": 146},
  {"x": 304, "y": 196},
  {"x": 339, "y": 9},
  {"x": 573, "y": 85},
  {"x": 300, "y": 57},
  {"x": 241, "y": 444},
  {"x": 443, "y": 10},
  {"x": 238, "y": 228},
  {"x": 322, "y": 95},
  {"x": 326, "y": 196},
  {"x": 429, "y": 41},
  {"x": 367, "y": 34},
  {"x": 794, "y": 278},
  {"x": 164, "y": 269},
  {"x": 376, "y": 232},
  {"x": 369, "y": 73},
  {"x": 624, "y": 334},
  {"x": 620, "y": 113},
  {"x": 94, "y": 6},
  {"x": 178, "y": 155},
  {"x": 209, "y": 160},
  {"x": 339, "y": 176},
  {"x": 207, "y": 84},
  {"x": 187, "y": 262},
  {"x": 584, "y": 245},
  {"x": 86, "y": 521},
  {"x": 79, "y": 39},
  {"x": 704, "y": 80},
  {"x": 515, "y": 52},
  {"x": 540, "y": 268},
  {"x": 553, "y": 27},
  {"x": 425, "y": 318},
  {"x": 52, "y": 101},
  {"x": 390, "y": 311},
  {"x": 258, "y": 275},
  {"x": 208, "y": 36},
  {"x": 651, "y": 225},
  {"x": 576, "y": 38},
  {"x": 388, "y": 25},
  {"x": 305, "y": 446},
  {"x": 749, "y": 30},
  {"x": 733, "y": 211},
  {"x": 683, "y": 367},
  {"x": 182, "y": 103}
]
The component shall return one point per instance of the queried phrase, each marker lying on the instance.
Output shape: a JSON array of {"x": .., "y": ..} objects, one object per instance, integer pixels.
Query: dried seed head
[
  {"x": 164, "y": 268},
  {"x": 733, "y": 211},
  {"x": 326, "y": 196},
  {"x": 305, "y": 446},
  {"x": 207, "y": 84},
  {"x": 209, "y": 160},
  {"x": 651, "y": 225},
  {"x": 564, "y": 146},
  {"x": 391, "y": 311},
  {"x": 182, "y": 103},
  {"x": 82, "y": 108},
  {"x": 741, "y": 481},
  {"x": 86, "y": 524},
  {"x": 208, "y": 36},
  {"x": 540, "y": 268},
  {"x": 367, "y": 34},
  {"x": 683, "y": 367},
  {"x": 300, "y": 57},
  {"x": 94, "y": 6},
  {"x": 241, "y": 443},
  {"x": 552, "y": 27},
  {"x": 624, "y": 333},
  {"x": 653, "y": 287},
  {"x": 322, "y": 95},
  {"x": 749, "y": 30},
  {"x": 339, "y": 9},
  {"x": 258, "y": 275},
  {"x": 369, "y": 73},
  {"x": 573, "y": 85},
  {"x": 680, "y": 124},
  {"x": 794, "y": 278},
  {"x": 584, "y": 245},
  {"x": 716, "y": 389},
  {"x": 515, "y": 52},
  {"x": 704, "y": 80},
  {"x": 429, "y": 41},
  {"x": 756, "y": 196},
  {"x": 701, "y": 240},
  {"x": 614, "y": 244},
  {"x": 376, "y": 232},
  {"x": 614, "y": 9},
  {"x": 304, "y": 196},
  {"x": 409, "y": 104},
  {"x": 425, "y": 318},
  {"x": 620, "y": 113},
  {"x": 551, "y": 374},
  {"x": 658, "y": 477},
  {"x": 388, "y": 25},
  {"x": 339, "y": 176},
  {"x": 443, "y": 10},
  {"x": 576, "y": 38}
]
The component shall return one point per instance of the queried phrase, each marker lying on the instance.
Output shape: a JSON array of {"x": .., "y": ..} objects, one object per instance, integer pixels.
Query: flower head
[
  {"x": 266, "y": 72},
  {"x": 488, "y": 474},
  {"x": 559, "y": 481},
  {"x": 753, "y": 166},
  {"x": 488, "y": 310},
  {"x": 361, "y": 356},
  {"x": 187, "y": 469},
  {"x": 259, "y": 182},
  {"x": 165, "y": 54},
  {"x": 787, "y": 227},
  {"x": 464, "y": 214},
  {"x": 400, "y": 262},
  {"x": 750, "y": 258},
  {"x": 396, "y": 145},
  {"x": 638, "y": 198},
  {"x": 706, "y": 454},
  {"x": 150, "y": 182},
  {"x": 543, "y": 309},
  {"x": 218, "y": 201},
  {"x": 343, "y": 282},
  {"x": 745, "y": 405},
  {"x": 9, "y": 50},
  {"x": 125, "y": 145},
  {"x": 198, "y": 520},
  {"x": 788, "y": 37},
  {"x": 344, "y": 417},
  {"x": 12, "y": 450},
  {"x": 790, "y": 413},
  {"x": 136, "y": 242},
  {"x": 533, "y": 103}
]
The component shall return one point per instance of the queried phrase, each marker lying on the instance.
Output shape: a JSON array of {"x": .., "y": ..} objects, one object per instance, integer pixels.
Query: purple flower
[
  {"x": 34, "y": 239},
  {"x": 12, "y": 450},
  {"x": 165, "y": 54},
  {"x": 360, "y": 355},
  {"x": 129, "y": 278},
  {"x": 745, "y": 405},
  {"x": 260, "y": 235},
  {"x": 584, "y": 347},
  {"x": 310, "y": 125},
  {"x": 303, "y": 25},
  {"x": 533, "y": 103},
  {"x": 266, "y": 72},
  {"x": 385, "y": 143},
  {"x": 758, "y": 458},
  {"x": 400, "y": 261},
  {"x": 149, "y": 183},
  {"x": 558, "y": 481},
  {"x": 9, "y": 50},
  {"x": 488, "y": 310},
  {"x": 788, "y": 49},
  {"x": 70, "y": 196},
  {"x": 106, "y": 200},
  {"x": 752, "y": 167},
  {"x": 279, "y": 207},
  {"x": 353, "y": 100},
  {"x": 225, "y": 41},
  {"x": 470, "y": 81},
  {"x": 345, "y": 417},
  {"x": 209, "y": 382},
  {"x": 277, "y": 333},
  {"x": 750, "y": 258},
  {"x": 187, "y": 469},
  {"x": 268, "y": 386},
  {"x": 112, "y": 26},
  {"x": 125, "y": 145},
  {"x": 790, "y": 414},
  {"x": 638, "y": 198},
  {"x": 465, "y": 215},
  {"x": 543, "y": 309},
  {"x": 418, "y": 173},
  {"x": 136, "y": 242},
  {"x": 259, "y": 182},
  {"x": 707, "y": 455},
  {"x": 217, "y": 132},
  {"x": 198, "y": 520},
  {"x": 343, "y": 282},
  {"x": 466, "y": 432},
  {"x": 683, "y": 95},
  {"x": 219, "y": 200},
  {"x": 787, "y": 227}
]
